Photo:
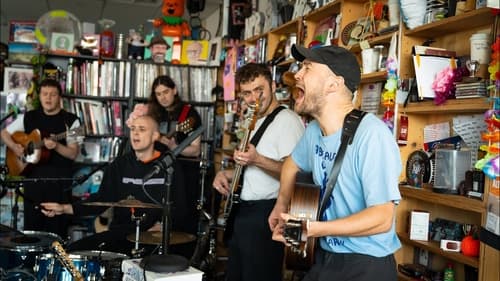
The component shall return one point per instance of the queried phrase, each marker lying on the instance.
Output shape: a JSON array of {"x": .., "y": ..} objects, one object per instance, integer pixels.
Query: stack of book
[{"x": 470, "y": 90}]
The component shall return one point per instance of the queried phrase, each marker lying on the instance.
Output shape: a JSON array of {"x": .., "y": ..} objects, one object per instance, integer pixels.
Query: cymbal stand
[
  {"x": 136, "y": 252},
  {"x": 15, "y": 208}
]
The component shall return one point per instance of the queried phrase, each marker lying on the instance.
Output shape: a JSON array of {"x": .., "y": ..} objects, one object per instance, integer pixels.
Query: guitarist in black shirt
[{"x": 50, "y": 119}]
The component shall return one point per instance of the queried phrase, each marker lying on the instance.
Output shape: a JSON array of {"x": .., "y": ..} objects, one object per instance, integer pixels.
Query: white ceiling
[{"x": 128, "y": 14}]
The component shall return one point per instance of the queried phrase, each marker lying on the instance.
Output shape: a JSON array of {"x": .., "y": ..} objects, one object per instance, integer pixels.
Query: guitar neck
[
  {"x": 54, "y": 138},
  {"x": 66, "y": 261}
]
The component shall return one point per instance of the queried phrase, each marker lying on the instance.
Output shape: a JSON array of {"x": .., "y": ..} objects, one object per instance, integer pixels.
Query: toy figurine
[
  {"x": 172, "y": 24},
  {"x": 136, "y": 45}
]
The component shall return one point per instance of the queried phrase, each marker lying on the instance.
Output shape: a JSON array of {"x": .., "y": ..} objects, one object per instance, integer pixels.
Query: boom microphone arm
[{"x": 169, "y": 158}]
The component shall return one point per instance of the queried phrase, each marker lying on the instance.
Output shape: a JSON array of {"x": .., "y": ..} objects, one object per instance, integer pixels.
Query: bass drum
[{"x": 20, "y": 250}]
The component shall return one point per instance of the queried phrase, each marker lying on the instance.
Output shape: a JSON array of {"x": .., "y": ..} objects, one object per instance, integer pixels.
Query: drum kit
[{"x": 31, "y": 255}]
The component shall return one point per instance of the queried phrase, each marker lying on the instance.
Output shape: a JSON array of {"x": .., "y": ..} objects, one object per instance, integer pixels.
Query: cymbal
[
  {"x": 155, "y": 237},
  {"x": 125, "y": 203}
]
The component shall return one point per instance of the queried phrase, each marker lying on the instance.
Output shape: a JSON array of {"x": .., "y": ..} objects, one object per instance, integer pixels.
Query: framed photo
[
  {"x": 215, "y": 50},
  {"x": 22, "y": 31},
  {"x": 17, "y": 80},
  {"x": 62, "y": 42}
]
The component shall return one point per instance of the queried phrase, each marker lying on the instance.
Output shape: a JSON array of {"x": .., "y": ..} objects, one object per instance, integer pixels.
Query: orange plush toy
[{"x": 172, "y": 24}]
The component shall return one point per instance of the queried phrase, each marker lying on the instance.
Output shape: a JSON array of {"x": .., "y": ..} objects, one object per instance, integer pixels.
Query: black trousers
[
  {"x": 351, "y": 267},
  {"x": 253, "y": 255}
]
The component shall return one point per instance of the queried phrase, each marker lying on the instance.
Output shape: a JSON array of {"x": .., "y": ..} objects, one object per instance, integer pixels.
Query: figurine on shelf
[
  {"x": 136, "y": 45},
  {"x": 172, "y": 24}
]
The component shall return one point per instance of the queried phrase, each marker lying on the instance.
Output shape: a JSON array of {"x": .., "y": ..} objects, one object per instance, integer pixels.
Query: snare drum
[
  {"x": 109, "y": 263},
  {"x": 21, "y": 250},
  {"x": 48, "y": 267}
]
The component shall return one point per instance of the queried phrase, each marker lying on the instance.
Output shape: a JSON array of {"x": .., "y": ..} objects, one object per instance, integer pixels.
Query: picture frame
[
  {"x": 62, "y": 42},
  {"x": 17, "y": 79},
  {"x": 215, "y": 51},
  {"x": 22, "y": 31}
]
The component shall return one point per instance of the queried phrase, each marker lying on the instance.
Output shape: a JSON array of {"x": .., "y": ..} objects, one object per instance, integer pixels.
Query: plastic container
[{"x": 480, "y": 48}]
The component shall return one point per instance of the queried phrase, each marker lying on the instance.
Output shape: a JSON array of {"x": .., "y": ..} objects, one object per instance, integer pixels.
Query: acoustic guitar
[
  {"x": 34, "y": 149},
  {"x": 304, "y": 205}
]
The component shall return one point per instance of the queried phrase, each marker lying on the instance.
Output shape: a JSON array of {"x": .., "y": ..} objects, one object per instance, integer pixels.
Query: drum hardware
[
  {"x": 155, "y": 237},
  {"x": 205, "y": 247},
  {"x": 163, "y": 261},
  {"x": 136, "y": 251},
  {"x": 125, "y": 203}
]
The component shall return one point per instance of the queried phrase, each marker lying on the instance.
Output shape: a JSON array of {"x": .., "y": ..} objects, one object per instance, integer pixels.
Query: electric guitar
[
  {"x": 304, "y": 205},
  {"x": 63, "y": 257},
  {"x": 185, "y": 127},
  {"x": 34, "y": 149},
  {"x": 247, "y": 126}
]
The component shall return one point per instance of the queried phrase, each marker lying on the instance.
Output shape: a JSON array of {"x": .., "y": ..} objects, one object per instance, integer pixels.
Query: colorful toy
[
  {"x": 172, "y": 24},
  {"x": 136, "y": 45},
  {"x": 490, "y": 163}
]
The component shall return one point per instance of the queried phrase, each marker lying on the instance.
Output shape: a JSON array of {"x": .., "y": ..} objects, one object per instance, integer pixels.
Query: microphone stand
[{"x": 165, "y": 262}]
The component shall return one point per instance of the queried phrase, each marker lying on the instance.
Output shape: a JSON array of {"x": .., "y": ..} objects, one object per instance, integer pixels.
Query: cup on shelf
[{"x": 370, "y": 60}]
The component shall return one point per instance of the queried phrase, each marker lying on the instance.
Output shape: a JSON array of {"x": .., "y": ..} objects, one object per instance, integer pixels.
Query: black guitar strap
[
  {"x": 269, "y": 118},
  {"x": 256, "y": 137},
  {"x": 349, "y": 128}
]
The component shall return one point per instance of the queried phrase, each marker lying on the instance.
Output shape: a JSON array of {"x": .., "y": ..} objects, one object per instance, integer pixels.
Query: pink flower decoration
[{"x": 140, "y": 109}]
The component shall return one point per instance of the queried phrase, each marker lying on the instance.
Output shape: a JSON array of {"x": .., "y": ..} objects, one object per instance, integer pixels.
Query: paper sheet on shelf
[
  {"x": 469, "y": 128},
  {"x": 437, "y": 131}
]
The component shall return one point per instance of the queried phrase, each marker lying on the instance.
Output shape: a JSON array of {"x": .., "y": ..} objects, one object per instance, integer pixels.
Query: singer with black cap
[
  {"x": 356, "y": 231},
  {"x": 123, "y": 180}
]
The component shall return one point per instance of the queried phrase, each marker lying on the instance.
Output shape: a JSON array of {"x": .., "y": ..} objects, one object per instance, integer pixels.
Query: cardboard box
[
  {"x": 133, "y": 272},
  {"x": 419, "y": 225}
]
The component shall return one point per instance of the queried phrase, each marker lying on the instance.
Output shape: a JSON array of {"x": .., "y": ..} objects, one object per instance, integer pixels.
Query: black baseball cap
[{"x": 339, "y": 60}]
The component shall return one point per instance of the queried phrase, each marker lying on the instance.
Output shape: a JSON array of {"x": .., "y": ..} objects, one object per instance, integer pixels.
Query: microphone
[{"x": 169, "y": 157}]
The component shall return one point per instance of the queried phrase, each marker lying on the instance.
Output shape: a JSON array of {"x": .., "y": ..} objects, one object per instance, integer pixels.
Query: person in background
[
  {"x": 54, "y": 170},
  {"x": 357, "y": 230},
  {"x": 253, "y": 255},
  {"x": 122, "y": 180},
  {"x": 158, "y": 48},
  {"x": 177, "y": 119}
]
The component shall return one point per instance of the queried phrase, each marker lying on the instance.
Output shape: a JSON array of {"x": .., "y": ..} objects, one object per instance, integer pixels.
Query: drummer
[{"x": 122, "y": 180}]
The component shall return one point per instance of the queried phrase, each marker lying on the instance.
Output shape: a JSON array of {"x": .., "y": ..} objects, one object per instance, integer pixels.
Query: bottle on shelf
[
  {"x": 107, "y": 46},
  {"x": 449, "y": 273}
]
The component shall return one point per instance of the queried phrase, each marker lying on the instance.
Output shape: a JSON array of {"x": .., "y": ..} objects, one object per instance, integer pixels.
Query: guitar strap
[
  {"x": 256, "y": 137},
  {"x": 184, "y": 113},
  {"x": 349, "y": 128}
]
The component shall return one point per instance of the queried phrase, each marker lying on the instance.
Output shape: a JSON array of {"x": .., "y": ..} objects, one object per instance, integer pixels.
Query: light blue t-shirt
[{"x": 368, "y": 176}]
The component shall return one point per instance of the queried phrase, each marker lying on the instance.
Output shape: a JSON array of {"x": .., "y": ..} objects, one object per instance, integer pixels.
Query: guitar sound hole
[{"x": 30, "y": 148}]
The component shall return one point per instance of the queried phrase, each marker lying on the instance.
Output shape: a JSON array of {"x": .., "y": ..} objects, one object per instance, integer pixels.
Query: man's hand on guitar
[
  {"x": 169, "y": 142},
  {"x": 290, "y": 230},
  {"x": 221, "y": 183},
  {"x": 248, "y": 157},
  {"x": 49, "y": 143}
]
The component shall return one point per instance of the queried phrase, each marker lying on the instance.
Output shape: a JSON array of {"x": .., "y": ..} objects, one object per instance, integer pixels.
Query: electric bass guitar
[
  {"x": 247, "y": 126},
  {"x": 304, "y": 205},
  {"x": 34, "y": 149}
]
